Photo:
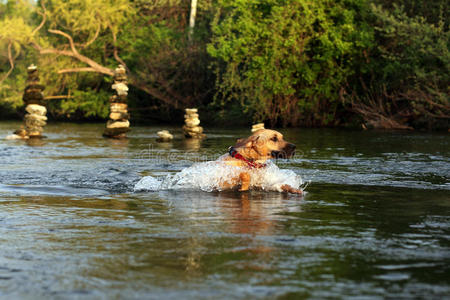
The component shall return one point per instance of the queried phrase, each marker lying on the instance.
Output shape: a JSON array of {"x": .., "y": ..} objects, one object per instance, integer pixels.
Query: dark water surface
[{"x": 375, "y": 222}]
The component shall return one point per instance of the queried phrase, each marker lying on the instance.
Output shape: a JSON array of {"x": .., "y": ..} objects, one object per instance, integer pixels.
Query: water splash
[{"x": 210, "y": 176}]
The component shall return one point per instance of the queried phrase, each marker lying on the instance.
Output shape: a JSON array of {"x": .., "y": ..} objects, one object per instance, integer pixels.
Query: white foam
[
  {"x": 210, "y": 176},
  {"x": 148, "y": 183}
]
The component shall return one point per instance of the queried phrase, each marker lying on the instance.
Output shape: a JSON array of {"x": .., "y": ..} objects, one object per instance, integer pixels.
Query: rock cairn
[
  {"x": 164, "y": 136},
  {"x": 35, "y": 119},
  {"x": 118, "y": 125},
  {"x": 191, "y": 128},
  {"x": 257, "y": 127}
]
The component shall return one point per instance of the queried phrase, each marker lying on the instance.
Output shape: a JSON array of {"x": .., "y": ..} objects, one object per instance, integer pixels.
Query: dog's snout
[{"x": 289, "y": 150}]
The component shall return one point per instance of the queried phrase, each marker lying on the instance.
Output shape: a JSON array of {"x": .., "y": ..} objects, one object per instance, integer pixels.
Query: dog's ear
[
  {"x": 246, "y": 143},
  {"x": 252, "y": 141}
]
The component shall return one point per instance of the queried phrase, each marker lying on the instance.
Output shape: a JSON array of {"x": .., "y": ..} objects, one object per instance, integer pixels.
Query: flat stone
[
  {"x": 119, "y": 116},
  {"x": 118, "y": 99},
  {"x": 34, "y": 95},
  {"x": 32, "y": 68},
  {"x": 30, "y": 129},
  {"x": 191, "y": 110},
  {"x": 196, "y": 129},
  {"x": 165, "y": 135},
  {"x": 120, "y": 78},
  {"x": 191, "y": 116},
  {"x": 115, "y": 132},
  {"x": 120, "y": 70},
  {"x": 34, "y": 123},
  {"x": 259, "y": 125},
  {"x": 36, "y": 109},
  {"x": 21, "y": 132},
  {"x": 118, "y": 107},
  {"x": 192, "y": 119},
  {"x": 37, "y": 102},
  {"x": 117, "y": 124},
  {"x": 35, "y": 120},
  {"x": 121, "y": 88},
  {"x": 192, "y": 122},
  {"x": 32, "y": 80},
  {"x": 16, "y": 137},
  {"x": 122, "y": 98},
  {"x": 35, "y": 134},
  {"x": 34, "y": 86}
]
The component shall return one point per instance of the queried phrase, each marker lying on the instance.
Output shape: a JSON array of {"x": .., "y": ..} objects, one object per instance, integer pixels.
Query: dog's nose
[{"x": 290, "y": 146}]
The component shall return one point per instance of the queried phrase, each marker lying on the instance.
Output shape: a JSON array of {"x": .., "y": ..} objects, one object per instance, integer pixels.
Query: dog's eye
[{"x": 275, "y": 139}]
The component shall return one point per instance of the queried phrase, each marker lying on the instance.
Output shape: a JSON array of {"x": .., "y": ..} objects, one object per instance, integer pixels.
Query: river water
[{"x": 374, "y": 223}]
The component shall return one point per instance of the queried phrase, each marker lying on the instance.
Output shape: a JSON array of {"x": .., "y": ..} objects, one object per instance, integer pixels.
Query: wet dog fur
[{"x": 261, "y": 146}]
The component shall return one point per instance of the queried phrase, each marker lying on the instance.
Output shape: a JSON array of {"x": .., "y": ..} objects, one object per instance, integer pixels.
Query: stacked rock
[
  {"x": 164, "y": 136},
  {"x": 118, "y": 124},
  {"x": 35, "y": 119},
  {"x": 191, "y": 128},
  {"x": 257, "y": 127}
]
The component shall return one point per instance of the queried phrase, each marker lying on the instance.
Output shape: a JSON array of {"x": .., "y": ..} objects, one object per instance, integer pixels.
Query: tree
[
  {"x": 405, "y": 82},
  {"x": 192, "y": 17},
  {"x": 285, "y": 61},
  {"x": 16, "y": 30},
  {"x": 75, "y": 38}
]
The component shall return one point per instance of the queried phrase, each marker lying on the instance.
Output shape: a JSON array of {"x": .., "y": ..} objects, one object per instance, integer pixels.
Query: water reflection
[
  {"x": 164, "y": 145},
  {"x": 192, "y": 144},
  {"x": 122, "y": 143},
  {"x": 36, "y": 142},
  {"x": 244, "y": 216}
]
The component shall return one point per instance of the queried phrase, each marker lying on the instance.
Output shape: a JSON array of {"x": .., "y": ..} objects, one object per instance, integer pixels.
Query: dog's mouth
[{"x": 286, "y": 152}]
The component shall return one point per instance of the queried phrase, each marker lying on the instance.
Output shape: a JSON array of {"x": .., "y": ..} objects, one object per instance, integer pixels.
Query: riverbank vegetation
[{"x": 369, "y": 63}]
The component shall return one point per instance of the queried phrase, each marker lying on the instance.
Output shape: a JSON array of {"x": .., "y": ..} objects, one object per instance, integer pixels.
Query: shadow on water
[{"x": 375, "y": 222}]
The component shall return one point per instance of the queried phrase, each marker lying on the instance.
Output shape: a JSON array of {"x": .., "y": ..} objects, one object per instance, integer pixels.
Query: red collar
[{"x": 233, "y": 153}]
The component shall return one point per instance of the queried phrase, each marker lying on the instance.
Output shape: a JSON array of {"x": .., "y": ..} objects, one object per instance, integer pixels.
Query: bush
[
  {"x": 405, "y": 83},
  {"x": 285, "y": 61}
]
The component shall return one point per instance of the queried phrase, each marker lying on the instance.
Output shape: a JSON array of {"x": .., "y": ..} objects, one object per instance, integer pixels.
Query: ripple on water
[
  {"x": 50, "y": 190},
  {"x": 72, "y": 226}
]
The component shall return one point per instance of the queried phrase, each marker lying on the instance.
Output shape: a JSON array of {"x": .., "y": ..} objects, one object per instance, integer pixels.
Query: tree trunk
[{"x": 192, "y": 18}]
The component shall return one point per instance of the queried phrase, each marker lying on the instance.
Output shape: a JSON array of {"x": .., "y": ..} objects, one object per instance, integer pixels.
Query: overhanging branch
[
  {"x": 44, "y": 18},
  {"x": 93, "y": 65},
  {"x": 11, "y": 62},
  {"x": 77, "y": 70},
  {"x": 68, "y": 37}
]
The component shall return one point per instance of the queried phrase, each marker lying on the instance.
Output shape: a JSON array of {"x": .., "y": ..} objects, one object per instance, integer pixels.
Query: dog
[{"x": 253, "y": 152}]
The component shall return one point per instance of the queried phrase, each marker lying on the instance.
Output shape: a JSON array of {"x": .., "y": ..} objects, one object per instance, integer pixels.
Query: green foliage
[
  {"x": 412, "y": 50},
  {"x": 83, "y": 18},
  {"x": 286, "y": 60},
  {"x": 87, "y": 104},
  {"x": 15, "y": 31},
  {"x": 409, "y": 70},
  {"x": 290, "y": 62},
  {"x": 90, "y": 24},
  {"x": 433, "y": 12}
]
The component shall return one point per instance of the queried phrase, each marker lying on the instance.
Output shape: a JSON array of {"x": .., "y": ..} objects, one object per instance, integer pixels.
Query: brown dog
[{"x": 253, "y": 152}]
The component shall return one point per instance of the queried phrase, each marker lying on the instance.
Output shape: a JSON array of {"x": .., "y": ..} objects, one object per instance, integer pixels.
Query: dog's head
[{"x": 265, "y": 144}]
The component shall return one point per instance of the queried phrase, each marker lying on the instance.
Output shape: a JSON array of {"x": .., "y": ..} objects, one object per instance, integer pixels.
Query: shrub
[{"x": 285, "y": 61}]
